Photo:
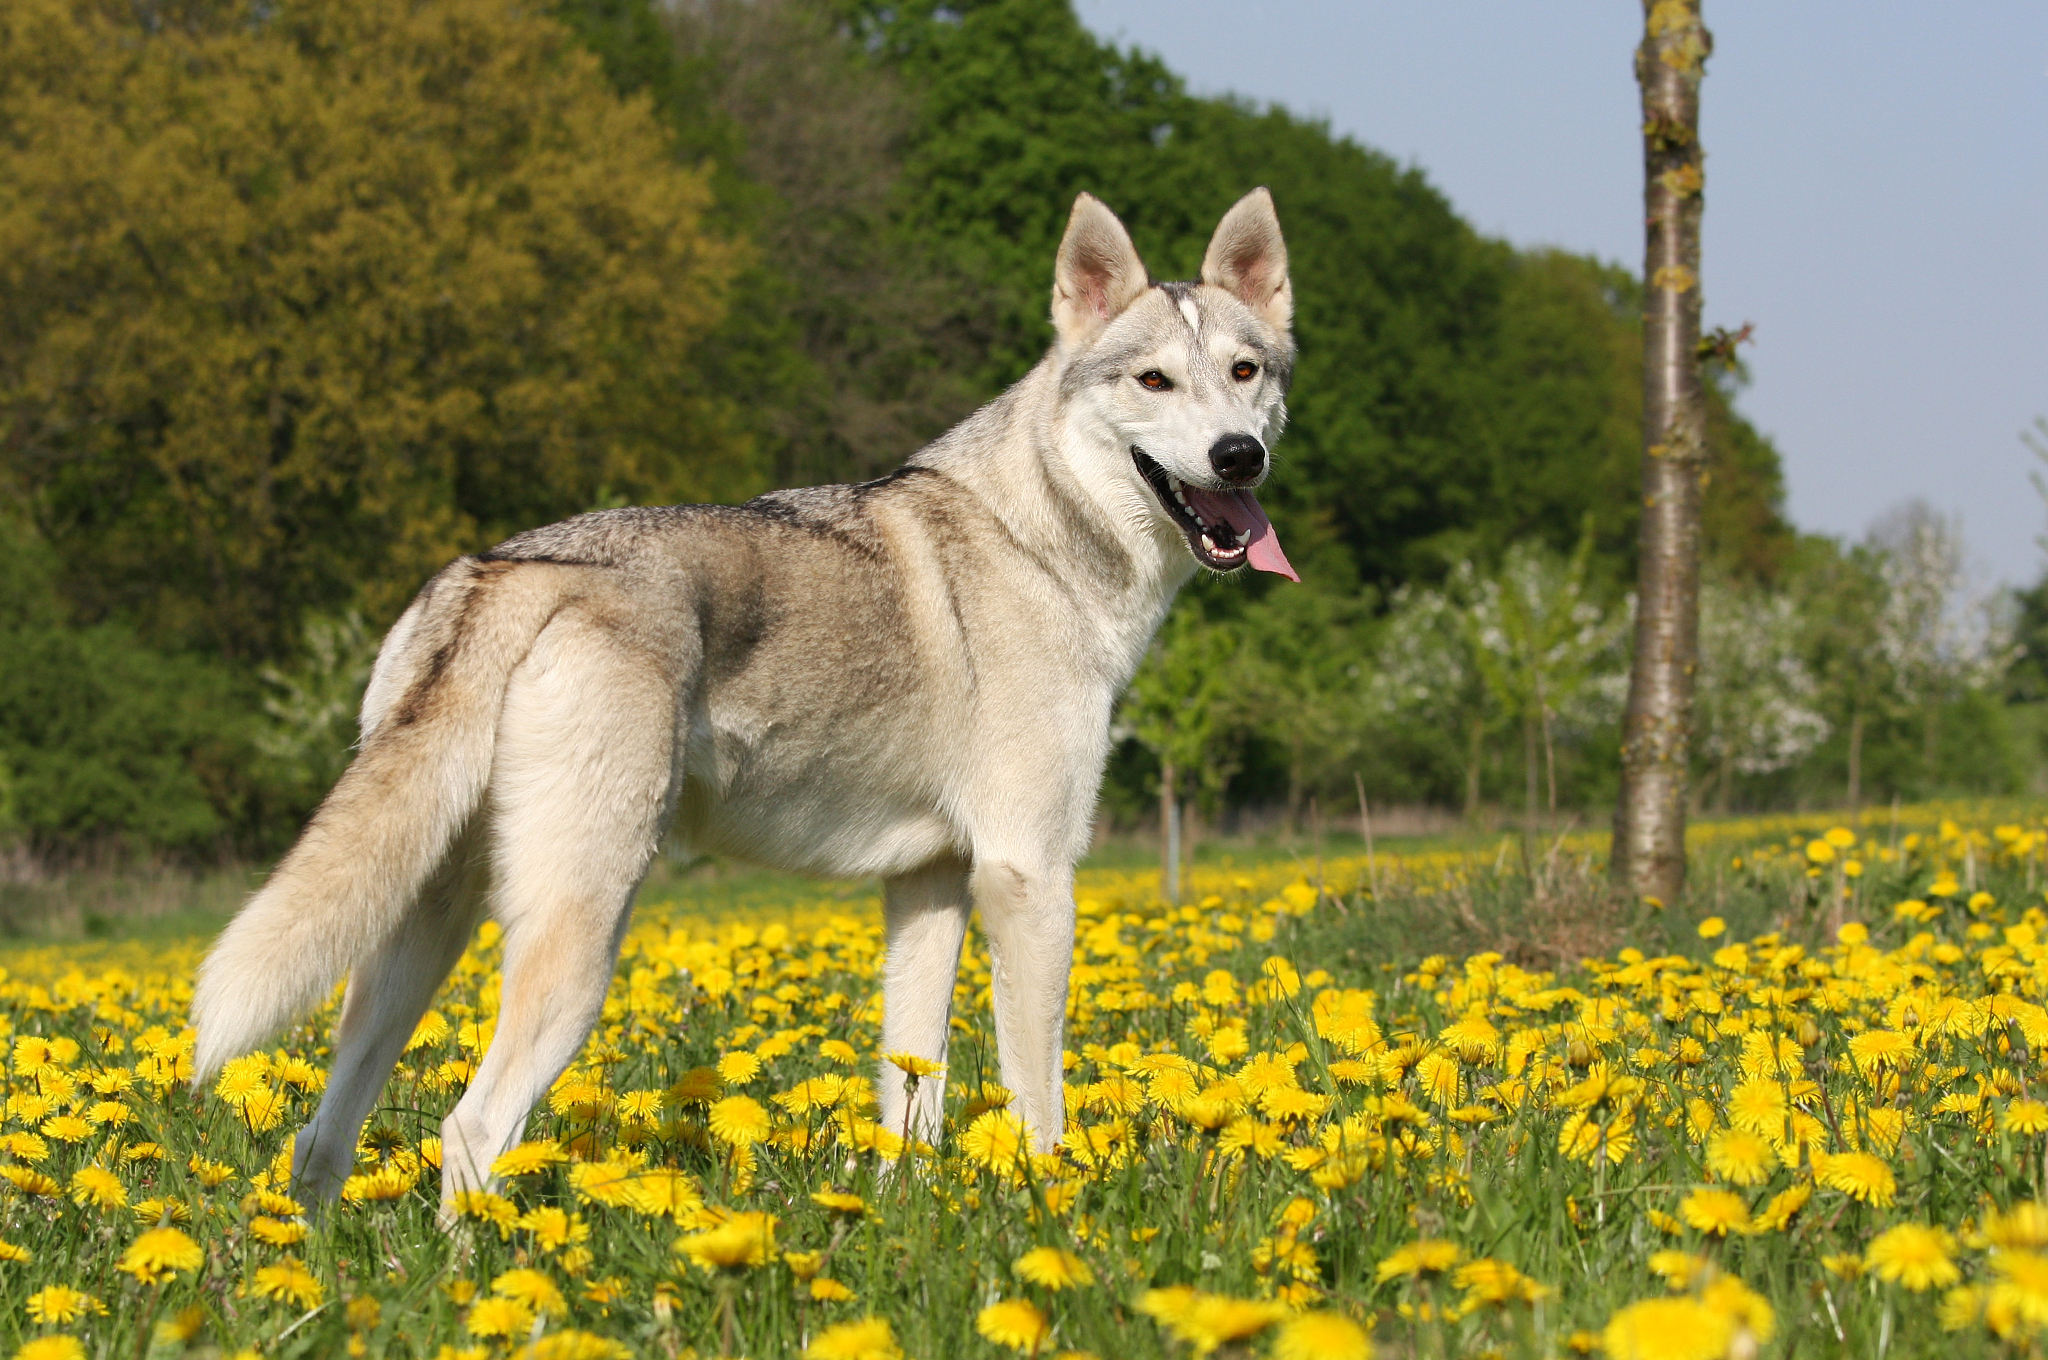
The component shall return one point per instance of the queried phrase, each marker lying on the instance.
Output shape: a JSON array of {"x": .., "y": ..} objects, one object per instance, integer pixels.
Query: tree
[
  {"x": 1939, "y": 639},
  {"x": 1540, "y": 645},
  {"x": 1756, "y": 697},
  {"x": 1424, "y": 675},
  {"x": 1174, "y": 707},
  {"x": 1649, "y": 819},
  {"x": 300, "y": 298}
]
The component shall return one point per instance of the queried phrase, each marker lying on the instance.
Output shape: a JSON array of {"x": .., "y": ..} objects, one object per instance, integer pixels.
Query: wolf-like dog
[{"x": 909, "y": 679}]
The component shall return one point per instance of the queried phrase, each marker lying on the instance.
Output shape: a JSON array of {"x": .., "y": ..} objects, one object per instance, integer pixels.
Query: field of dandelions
[{"x": 1799, "y": 1117}]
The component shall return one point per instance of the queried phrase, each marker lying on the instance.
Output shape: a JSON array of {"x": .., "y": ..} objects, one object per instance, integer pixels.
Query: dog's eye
[
  {"x": 1244, "y": 370},
  {"x": 1155, "y": 381}
]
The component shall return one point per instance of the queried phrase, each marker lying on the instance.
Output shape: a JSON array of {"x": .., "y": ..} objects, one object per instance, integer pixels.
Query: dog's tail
[{"x": 430, "y": 720}]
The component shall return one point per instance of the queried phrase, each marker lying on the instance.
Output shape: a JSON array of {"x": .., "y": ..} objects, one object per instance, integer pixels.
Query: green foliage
[
  {"x": 106, "y": 741},
  {"x": 298, "y": 300}
]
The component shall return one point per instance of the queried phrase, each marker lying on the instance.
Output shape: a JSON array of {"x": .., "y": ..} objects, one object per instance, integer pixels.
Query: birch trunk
[{"x": 1649, "y": 822}]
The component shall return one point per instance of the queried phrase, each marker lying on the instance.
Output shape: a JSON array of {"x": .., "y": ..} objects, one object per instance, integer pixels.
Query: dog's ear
[
  {"x": 1098, "y": 273},
  {"x": 1248, "y": 258}
]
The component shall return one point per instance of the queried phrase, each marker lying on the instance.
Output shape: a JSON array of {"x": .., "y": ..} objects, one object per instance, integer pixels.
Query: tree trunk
[
  {"x": 1169, "y": 832},
  {"x": 1649, "y": 821}
]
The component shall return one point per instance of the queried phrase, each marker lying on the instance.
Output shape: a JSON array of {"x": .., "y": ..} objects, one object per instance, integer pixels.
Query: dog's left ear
[
  {"x": 1248, "y": 258},
  {"x": 1097, "y": 275}
]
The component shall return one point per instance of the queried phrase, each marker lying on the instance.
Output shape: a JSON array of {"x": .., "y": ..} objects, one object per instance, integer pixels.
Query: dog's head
[{"x": 1185, "y": 383}]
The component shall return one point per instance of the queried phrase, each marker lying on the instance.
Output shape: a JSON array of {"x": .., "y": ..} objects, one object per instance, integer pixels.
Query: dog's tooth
[{"x": 1244, "y": 536}]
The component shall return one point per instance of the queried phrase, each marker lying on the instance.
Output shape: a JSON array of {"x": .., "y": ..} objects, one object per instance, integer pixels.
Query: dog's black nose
[{"x": 1238, "y": 458}]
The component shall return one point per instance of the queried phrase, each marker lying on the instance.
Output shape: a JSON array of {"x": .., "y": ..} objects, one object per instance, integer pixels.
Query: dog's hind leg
[
  {"x": 926, "y": 911},
  {"x": 1029, "y": 916},
  {"x": 579, "y": 793},
  {"x": 387, "y": 994}
]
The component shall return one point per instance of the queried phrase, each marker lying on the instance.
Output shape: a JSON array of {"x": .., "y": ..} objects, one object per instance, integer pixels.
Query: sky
[{"x": 1877, "y": 202}]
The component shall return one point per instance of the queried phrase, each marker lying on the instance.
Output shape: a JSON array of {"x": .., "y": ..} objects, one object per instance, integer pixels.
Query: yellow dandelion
[
  {"x": 737, "y": 1069},
  {"x": 573, "y": 1345},
  {"x": 67, "y": 1128},
  {"x": 499, "y": 1317},
  {"x": 827, "y": 1290},
  {"x": 1668, "y": 1329},
  {"x": 1740, "y": 1157},
  {"x": 1777, "y": 1215},
  {"x": 1427, "y": 1256},
  {"x": 1207, "y": 1321},
  {"x": 1913, "y": 1255},
  {"x": 98, "y": 1187},
  {"x": 528, "y": 1158},
  {"x": 1489, "y": 1281},
  {"x": 740, "y": 1121},
  {"x": 159, "y": 1254},
  {"x": 913, "y": 1066},
  {"x": 852, "y": 1206},
  {"x": 1759, "y": 1107},
  {"x": 289, "y": 1282},
  {"x": 1678, "y": 1269},
  {"x": 15, "y": 1253},
  {"x": 58, "y": 1305},
  {"x": 1321, "y": 1336},
  {"x": 533, "y": 1289},
  {"x": 2024, "y": 1117},
  {"x": 869, "y": 1339},
  {"x": 1054, "y": 1269},
  {"x": 1015, "y": 1323},
  {"x": 995, "y": 1140},
  {"x": 1713, "y": 926},
  {"x": 276, "y": 1232},
  {"x": 1859, "y": 1176},
  {"x": 1715, "y": 1212},
  {"x": 52, "y": 1348},
  {"x": 2024, "y": 1226},
  {"x": 741, "y": 1242},
  {"x": 1846, "y": 1265}
]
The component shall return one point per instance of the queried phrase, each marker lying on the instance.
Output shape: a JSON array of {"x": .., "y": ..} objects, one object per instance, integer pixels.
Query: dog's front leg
[
  {"x": 927, "y": 919},
  {"x": 1028, "y": 913}
]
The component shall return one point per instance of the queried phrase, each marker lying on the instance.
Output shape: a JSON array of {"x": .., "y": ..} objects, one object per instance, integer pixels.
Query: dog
[{"x": 910, "y": 679}]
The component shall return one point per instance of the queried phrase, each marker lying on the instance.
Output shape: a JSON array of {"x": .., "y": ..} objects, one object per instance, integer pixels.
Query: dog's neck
[{"x": 1082, "y": 509}]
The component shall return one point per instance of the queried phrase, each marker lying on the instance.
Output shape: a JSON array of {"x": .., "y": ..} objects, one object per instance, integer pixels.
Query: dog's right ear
[{"x": 1098, "y": 273}]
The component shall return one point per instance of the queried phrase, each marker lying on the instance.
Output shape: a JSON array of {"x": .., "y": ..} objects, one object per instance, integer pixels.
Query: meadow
[{"x": 1438, "y": 1102}]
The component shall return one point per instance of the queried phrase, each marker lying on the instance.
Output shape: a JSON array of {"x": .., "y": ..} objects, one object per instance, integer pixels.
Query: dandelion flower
[
  {"x": 499, "y": 1317},
  {"x": 1054, "y": 1268},
  {"x": 289, "y": 1282},
  {"x": 827, "y": 1290},
  {"x": 52, "y": 1348},
  {"x": 737, "y": 1069},
  {"x": 1860, "y": 1176},
  {"x": 528, "y": 1158},
  {"x": 1668, "y": 1329},
  {"x": 1321, "y": 1336},
  {"x": 98, "y": 1187},
  {"x": 1759, "y": 1107},
  {"x": 1015, "y": 1323},
  {"x": 1777, "y": 1215},
  {"x": 1428, "y": 1256},
  {"x": 57, "y": 1305},
  {"x": 852, "y": 1206},
  {"x": 914, "y": 1067},
  {"x": 995, "y": 1140},
  {"x": 740, "y": 1121},
  {"x": 1678, "y": 1269},
  {"x": 742, "y": 1241},
  {"x": 868, "y": 1339},
  {"x": 159, "y": 1254},
  {"x": 2024, "y": 1226},
  {"x": 1740, "y": 1157},
  {"x": 1712, "y": 927},
  {"x": 2025, "y": 1117},
  {"x": 1715, "y": 1212},
  {"x": 276, "y": 1232},
  {"x": 1489, "y": 1281},
  {"x": 573, "y": 1345},
  {"x": 1913, "y": 1255},
  {"x": 531, "y": 1288}
]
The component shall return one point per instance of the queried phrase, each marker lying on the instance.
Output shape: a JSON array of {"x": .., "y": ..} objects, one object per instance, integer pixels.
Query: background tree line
[{"x": 299, "y": 299}]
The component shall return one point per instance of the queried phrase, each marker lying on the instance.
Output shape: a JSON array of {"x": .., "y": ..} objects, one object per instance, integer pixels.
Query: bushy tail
[{"x": 429, "y": 729}]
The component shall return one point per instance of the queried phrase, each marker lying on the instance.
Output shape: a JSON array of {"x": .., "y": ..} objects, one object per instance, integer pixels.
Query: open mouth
[{"x": 1224, "y": 529}]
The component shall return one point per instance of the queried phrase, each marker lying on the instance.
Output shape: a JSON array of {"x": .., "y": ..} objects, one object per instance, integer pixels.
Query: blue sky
[{"x": 1877, "y": 201}]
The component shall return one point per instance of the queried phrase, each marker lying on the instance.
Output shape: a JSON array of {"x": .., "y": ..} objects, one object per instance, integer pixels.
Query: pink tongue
[{"x": 1241, "y": 511}]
